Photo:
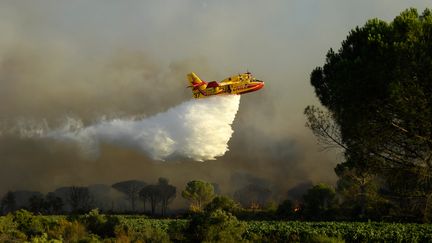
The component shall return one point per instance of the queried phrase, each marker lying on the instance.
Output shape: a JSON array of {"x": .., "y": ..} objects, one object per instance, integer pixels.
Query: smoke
[
  {"x": 81, "y": 61},
  {"x": 196, "y": 129}
]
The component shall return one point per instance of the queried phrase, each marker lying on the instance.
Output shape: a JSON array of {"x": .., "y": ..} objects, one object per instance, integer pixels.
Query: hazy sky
[{"x": 93, "y": 59}]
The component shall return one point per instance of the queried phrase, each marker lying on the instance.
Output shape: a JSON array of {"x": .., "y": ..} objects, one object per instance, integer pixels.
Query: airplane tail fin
[
  {"x": 194, "y": 80},
  {"x": 198, "y": 86}
]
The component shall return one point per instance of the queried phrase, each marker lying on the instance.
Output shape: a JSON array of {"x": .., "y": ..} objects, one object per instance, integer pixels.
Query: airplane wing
[{"x": 224, "y": 83}]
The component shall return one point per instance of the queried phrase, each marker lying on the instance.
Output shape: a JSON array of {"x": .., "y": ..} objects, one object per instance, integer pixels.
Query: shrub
[
  {"x": 28, "y": 223},
  {"x": 218, "y": 225},
  {"x": 325, "y": 239},
  {"x": 9, "y": 230},
  {"x": 176, "y": 231},
  {"x": 99, "y": 224},
  {"x": 68, "y": 231},
  {"x": 223, "y": 203},
  {"x": 44, "y": 239},
  {"x": 125, "y": 233},
  {"x": 285, "y": 210}
]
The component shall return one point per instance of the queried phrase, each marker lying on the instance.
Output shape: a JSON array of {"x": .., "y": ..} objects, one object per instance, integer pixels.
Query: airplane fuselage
[{"x": 238, "y": 84}]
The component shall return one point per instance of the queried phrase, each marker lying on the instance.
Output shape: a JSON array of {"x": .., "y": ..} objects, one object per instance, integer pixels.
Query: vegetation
[
  {"x": 253, "y": 196},
  {"x": 131, "y": 189},
  {"x": 8, "y": 203},
  {"x": 79, "y": 199},
  {"x": 162, "y": 194},
  {"x": 199, "y": 193},
  {"x": 378, "y": 93},
  {"x": 320, "y": 203},
  {"x": 377, "y": 90},
  {"x": 214, "y": 226},
  {"x": 223, "y": 203}
]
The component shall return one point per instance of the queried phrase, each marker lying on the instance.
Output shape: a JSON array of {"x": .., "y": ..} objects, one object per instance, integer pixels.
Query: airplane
[{"x": 237, "y": 84}]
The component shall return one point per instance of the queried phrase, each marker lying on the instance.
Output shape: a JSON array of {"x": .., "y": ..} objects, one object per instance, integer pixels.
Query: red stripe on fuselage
[{"x": 255, "y": 88}]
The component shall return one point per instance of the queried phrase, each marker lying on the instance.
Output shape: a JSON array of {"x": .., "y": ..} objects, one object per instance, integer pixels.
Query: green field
[
  {"x": 94, "y": 227},
  {"x": 297, "y": 230}
]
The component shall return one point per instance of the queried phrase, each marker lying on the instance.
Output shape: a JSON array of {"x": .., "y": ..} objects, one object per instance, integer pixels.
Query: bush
[
  {"x": 125, "y": 233},
  {"x": 68, "y": 231},
  {"x": 218, "y": 225},
  {"x": 9, "y": 230},
  {"x": 224, "y": 203},
  {"x": 285, "y": 210},
  {"x": 176, "y": 230},
  {"x": 99, "y": 224},
  {"x": 27, "y": 223},
  {"x": 44, "y": 239}
]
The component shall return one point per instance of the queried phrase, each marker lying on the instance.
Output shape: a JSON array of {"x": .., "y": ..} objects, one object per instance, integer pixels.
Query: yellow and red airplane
[{"x": 238, "y": 84}]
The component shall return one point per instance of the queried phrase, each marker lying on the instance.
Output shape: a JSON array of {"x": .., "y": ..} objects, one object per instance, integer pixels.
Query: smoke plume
[{"x": 196, "y": 129}]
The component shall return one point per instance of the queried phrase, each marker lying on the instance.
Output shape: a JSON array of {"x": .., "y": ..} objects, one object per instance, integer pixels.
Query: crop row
[
  {"x": 275, "y": 231},
  {"x": 24, "y": 226}
]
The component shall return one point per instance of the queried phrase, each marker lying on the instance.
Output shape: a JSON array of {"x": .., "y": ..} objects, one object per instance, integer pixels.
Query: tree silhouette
[
  {"x": 319, "y": 202},
  {"x": 8, "y": 203},
  {"x": 79, "y": 199},
  {"x": 54, "y": 203},
  {"x": 167, "y": 194},
  {"x": 144, "y": 195},
  {"x": 131, "y": 189},
  {"x": 153, "y": 194},
  {"x": 37, "y": 204}
]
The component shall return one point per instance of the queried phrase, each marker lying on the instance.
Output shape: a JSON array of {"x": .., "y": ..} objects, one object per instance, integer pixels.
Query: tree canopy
[
  {"x": 377, "y": 89},
  {"x": 319, "y": 202},
  {"x": 131, "y": 189},
  {"x": 162, "y": 193},
  {"x": 199, "y": 193}
]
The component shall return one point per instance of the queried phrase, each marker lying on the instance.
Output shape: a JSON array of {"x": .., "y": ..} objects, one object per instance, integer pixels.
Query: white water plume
[{"x": 196, "y": 129}]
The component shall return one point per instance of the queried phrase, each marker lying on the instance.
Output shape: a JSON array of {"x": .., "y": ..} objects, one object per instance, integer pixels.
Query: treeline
[
  {"x": 249, "y": 202},
  {"x": 319, "y": 203},
  {"x": 121, "y": 197},
  {"x": 133, "y": 197}
]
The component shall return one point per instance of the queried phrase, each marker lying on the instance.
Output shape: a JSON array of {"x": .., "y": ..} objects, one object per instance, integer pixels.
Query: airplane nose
[
  {"x": 261, "y": 84},
  {"x": 258, "y": 85}
]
